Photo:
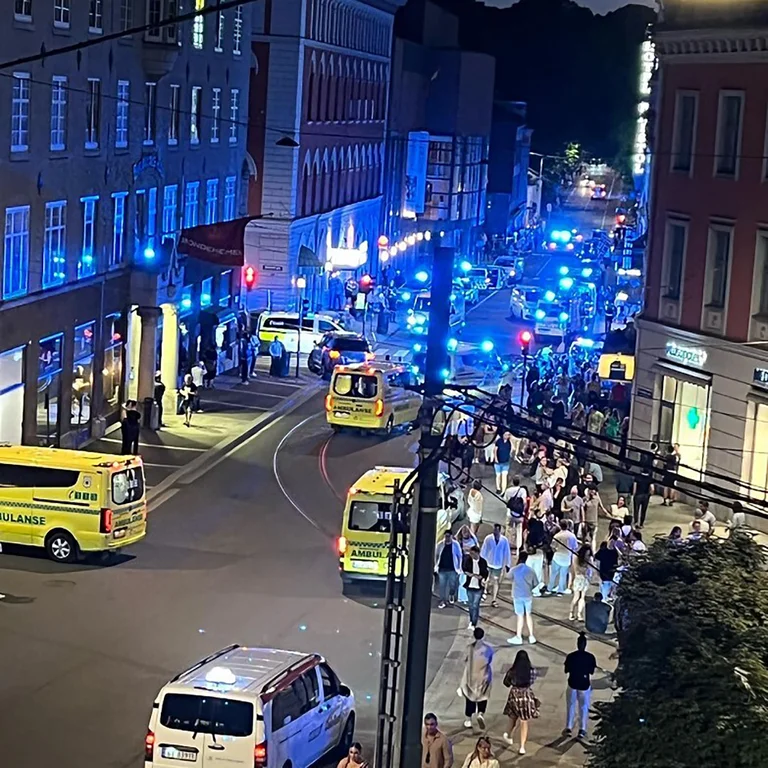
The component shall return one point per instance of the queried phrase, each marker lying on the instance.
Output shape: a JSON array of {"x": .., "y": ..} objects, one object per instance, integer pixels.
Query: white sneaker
[
  {"x": 521, "y": 751},
  {"x": 568, "y": 592},
  {"x": 441, "y": 605},
  {"x": 481, "y": 720},
  {"x": 471, "y": 627},
  {"x": 468, "y": 723},
  {"x": 508, "y": 739},
  {"x": 531, "y": 639},
  {"x": 516, "y": 640}
]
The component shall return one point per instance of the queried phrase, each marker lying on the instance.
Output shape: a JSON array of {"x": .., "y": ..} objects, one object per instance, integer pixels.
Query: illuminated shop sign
[
  {"x": 647, "y": 66},
  {"x": 686, "y": 355}
]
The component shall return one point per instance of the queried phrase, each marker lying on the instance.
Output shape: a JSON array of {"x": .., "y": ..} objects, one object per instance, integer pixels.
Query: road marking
[
  {"x": 312, "y": 522},
  {"x": 324, "y": 469},
  {"x": 161, "y": 466},
  {"x": 246, "y": 407},
  {"x": 170, "y": 493},
  {"x": 155, "y": 445}
]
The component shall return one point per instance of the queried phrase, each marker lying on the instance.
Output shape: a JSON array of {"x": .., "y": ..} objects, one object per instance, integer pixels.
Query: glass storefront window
[
  {"x": 684, "y": 419},
  {"x": 206, "y": 292},
  {"x": 11, "y": 395},
  {"x": 49, "y": 390},
  {"x": 112, "y": 373},
  {"x": 82, "y": 380},
  {"x": 756, "y": 451}
]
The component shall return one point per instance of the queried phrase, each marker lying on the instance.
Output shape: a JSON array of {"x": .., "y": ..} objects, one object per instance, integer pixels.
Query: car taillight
[
  {"x": 341, "y": 544},
  {"x": 334, "y": 354},
  {"x": 105, "y": 522},
  {"x": 328, "y": 403},
  {"x": 378, "y": 408},
  {"x": 260, "y": 755},
  {"x": 149, "y": 745}
]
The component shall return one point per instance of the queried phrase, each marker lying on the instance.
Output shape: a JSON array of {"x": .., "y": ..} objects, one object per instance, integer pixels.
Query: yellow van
[
  {"x": 363, "y": 546},
  {"x": 70, "y": 501},
  {"x": 372, "y": 396}
]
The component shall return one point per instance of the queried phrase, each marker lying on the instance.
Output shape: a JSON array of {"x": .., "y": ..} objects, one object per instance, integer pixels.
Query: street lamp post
[{"x": 301, "y": 284}]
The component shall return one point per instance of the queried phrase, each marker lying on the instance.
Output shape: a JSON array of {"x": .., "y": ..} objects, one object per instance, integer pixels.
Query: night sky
[{"x": 598, "y": 6}]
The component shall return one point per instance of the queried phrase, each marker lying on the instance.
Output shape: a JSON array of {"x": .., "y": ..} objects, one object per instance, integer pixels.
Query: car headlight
[
  {"x": 411, "y": 320},
  {"x": 420, "y": 319}
]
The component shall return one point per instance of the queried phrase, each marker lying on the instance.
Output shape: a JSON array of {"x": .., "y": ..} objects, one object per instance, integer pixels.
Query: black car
[{"x": 338, "y": 349}]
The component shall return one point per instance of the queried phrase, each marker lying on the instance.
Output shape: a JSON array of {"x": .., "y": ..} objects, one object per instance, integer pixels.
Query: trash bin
[
  {"x": 285, "y": 368},
  {"x": 382, "y": 321},
  {"x": 151, "y": 415}
]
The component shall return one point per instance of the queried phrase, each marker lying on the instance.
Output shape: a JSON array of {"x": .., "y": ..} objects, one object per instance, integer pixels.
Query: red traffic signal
[
  {"x": 525, "y": 337},
  {"x": 366, "y": 284},
  {"x": 249, "y": 276},
  {"x": 621, "y": 218}
]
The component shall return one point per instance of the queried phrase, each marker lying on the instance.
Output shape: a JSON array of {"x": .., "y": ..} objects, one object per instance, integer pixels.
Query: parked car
[
  {"x": 471, "y": 294},
  {"x": 338, "y": 348},
  {"x": 517, "y": 304},
  {"x": 497, "y": 276}
]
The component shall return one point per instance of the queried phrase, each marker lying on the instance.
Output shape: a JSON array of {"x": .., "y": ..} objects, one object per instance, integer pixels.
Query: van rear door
[
  {"x": 204, "y": 731},
  {"x": 126, "y": 489}
]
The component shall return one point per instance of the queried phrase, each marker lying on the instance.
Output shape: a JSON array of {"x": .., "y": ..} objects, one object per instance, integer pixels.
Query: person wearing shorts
[
  {"x": 524, "y": 582},
  {"x": 501, "y": 458}
]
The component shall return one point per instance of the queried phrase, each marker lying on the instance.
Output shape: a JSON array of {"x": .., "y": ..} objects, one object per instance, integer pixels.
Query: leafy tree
[{"x": 692, "y": 676}]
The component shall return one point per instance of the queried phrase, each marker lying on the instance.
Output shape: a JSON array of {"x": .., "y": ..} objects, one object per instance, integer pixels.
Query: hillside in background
[{"x": 577, "y": 71}]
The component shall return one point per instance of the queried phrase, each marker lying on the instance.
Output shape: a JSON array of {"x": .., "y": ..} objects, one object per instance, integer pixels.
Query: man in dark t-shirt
[
  {"x": 642, "y": 489},
  {"x": 580, "y": 665}
]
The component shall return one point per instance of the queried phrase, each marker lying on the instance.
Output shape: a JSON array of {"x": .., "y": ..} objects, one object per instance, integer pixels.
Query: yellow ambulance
[
  {"x": 372, "y": 396},
  {"x": 363, "y": 546},
  {"x": 70, "y": 502}
]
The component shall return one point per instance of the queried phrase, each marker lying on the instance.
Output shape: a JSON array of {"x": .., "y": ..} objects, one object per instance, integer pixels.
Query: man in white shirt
[
  {"x": 564, "y": 545},
  {"x": 496, "y": 552},
  {"x": 705, "y": 517},
  {"x": 524, "y": 582}
]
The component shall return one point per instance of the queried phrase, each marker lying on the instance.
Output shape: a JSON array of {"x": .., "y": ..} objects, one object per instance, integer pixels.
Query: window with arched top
[
  {"x": 330, "y": 107},
  {"x": 317, "y": 185},
  {"x": 334, "y": 192},
  {"x": 312, "y": 90},
  {"x": 306, "y": 189},
  {"x": 358, "y": 173},
  {"x": 370, "y": 175},
  {"x": 355, "y": 97},
  {"x": 348, "y": 187},
  {"x": 322, "y": 96},
  {"x": 326, "y": 194}
]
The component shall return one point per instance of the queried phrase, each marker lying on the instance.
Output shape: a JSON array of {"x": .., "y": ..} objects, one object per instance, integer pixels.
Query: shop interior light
[{"x": 401, "y": 246}]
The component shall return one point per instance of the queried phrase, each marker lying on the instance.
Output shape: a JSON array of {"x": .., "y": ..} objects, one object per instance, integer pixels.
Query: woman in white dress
[
  {"x": 582, "y": 575},
  {"x": 475, "y": 506}
]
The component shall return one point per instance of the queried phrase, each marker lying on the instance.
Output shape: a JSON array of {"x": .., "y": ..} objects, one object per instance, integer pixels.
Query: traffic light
[
  {"x": 249, "y": 277},
  {"x": 366, "y": 284},
  {"x": 621, "y": 218},
  {"x": 524, "y": 337}
]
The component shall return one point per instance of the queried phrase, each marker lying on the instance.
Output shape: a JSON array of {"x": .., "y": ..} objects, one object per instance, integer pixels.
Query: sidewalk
[
  {"x": 228, "y": 412},
  {"x": 556, "y": 637}
]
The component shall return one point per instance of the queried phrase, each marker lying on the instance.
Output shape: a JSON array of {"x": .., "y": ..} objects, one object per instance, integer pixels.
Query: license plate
[
  {"x": 120, "y": 534},
  {"x": 365, "y": 565},
  {"x": 174, "y": 753},
  {"x": 341, "y": 415}
]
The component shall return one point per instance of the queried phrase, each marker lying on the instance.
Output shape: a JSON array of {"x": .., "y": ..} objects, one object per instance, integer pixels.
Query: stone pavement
[
  {"x": 556, "y": 637},
  {"x": 229, "y": 412}
]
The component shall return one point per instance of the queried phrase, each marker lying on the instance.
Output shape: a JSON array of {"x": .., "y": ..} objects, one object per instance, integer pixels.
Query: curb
[{"x": 232, "y": 441}]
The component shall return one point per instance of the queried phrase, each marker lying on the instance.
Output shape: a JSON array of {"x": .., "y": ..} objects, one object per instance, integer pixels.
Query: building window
[
  {"x": 93, "y": 113},
  {"x": 126, "y": 14},
  {"x": 49, "y": 390},
  {"x": 82, "y": 380},
  {"x": 194, "y": 115},
  {"x": 55, "y": 244},
  {"x": 22, "y": 10},
  {"x": 191, "y": 204},
  {"x": 219, "y": 32},
  {"x": 146, "y": 221},
  {"x": 170, "y": 210},
  {"x": 761, "y": 275},
  {"x": 61, "y": 13},
  {"x": 86, "y": 264},
  {"x": 728, "y": 145},
  {"x": 112, "y": 373},
  {"x": 215, "y": 115},
  {"x": 58, "y": 113},
  {"x": 674, "y": 256},
  {"x": 173, "y": 122},
  {"x": 211, "y": 201},
  {"x": 118, "y": 229},
  {"x": 206, "y": 292},
  {"x": 12, "y": 395},
  {"x": 150, "y": 113},
  {"x": 237, "y": 31},
  {"x": 684, "y": 139},
  {"x": 20, "y": 112},
  {"x": 95, "y": 16},
  {"x": 230, "y": 197},
  {"x": 122, "y": 114},
  {"x": 16, "y": 252},
  {"x": 234, "y": 115},
  {"x": 198, "y": 26},
  {"x": 157, "y": 11},
  {"x": 225, "y": 288},
  {"x": 718, "y": 260}
]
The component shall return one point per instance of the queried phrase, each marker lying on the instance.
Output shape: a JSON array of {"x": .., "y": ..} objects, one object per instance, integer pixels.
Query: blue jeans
[
  {"x": 474, "y": 596},
  {"x": 448, "y": 584},
  {"x": 558, "y": 577},
  {"x": 605, "y": 589}
]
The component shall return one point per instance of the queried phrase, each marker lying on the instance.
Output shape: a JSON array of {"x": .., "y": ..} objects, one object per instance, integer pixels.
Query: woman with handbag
[{"x": 521, "y": 705}]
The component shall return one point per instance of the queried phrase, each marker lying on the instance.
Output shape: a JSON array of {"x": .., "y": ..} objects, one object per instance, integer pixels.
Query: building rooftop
[{"x": 712, "y": 14}]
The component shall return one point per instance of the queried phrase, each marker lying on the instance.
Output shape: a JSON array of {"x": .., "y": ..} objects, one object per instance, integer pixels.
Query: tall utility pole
[{"x": 424, "y": 524}]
